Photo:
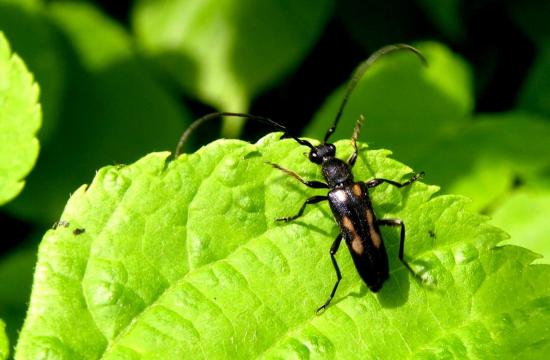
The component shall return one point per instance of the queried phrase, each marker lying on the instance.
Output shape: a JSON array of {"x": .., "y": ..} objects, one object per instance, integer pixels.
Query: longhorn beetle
[{"x": 348, "y": 199}]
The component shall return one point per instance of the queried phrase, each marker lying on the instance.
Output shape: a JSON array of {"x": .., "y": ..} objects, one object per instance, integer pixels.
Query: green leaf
[
  {"x": 116, "y": 112},
  {"x": 184, "y": 260},
  {"x": 227, "y": 52},
  {"x": 20, "y": 118},
  {"x": 4, "y": 344}
]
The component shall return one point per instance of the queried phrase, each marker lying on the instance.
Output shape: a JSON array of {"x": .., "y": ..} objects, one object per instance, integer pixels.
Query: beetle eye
[{"x": 314, "y": 157}]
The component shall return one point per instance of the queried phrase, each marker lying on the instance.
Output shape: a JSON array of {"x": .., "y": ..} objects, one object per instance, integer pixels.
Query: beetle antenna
[
  {"x": 197, "y": 123},
  {"x": 360, "y": 71}
]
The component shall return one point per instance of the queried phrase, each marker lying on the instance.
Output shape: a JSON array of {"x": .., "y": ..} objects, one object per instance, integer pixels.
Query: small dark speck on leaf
[
  {"x": 431, "y": 233},
  {"x": 78, "y": 231}
]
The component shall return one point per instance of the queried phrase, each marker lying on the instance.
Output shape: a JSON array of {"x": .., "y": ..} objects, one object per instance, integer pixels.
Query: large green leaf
[
  {"x": 20, "y": 118},
  {"x": 226, "y": 52},
  {"x": 114, "y": 111},
  {"x": 183, "y": 259},
  {"x": 4, "y": 344}
]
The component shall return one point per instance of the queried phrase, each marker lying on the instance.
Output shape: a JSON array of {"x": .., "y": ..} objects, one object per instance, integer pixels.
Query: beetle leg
[
  {"x": 399, "y": 223},
  {"x": 311, "y": 200},
  {"x": 375, "y": 182},
  {"x": 356, "y": 130},
  {"x": 333, "y": 250},
  {"x": 311, "y": 184}
]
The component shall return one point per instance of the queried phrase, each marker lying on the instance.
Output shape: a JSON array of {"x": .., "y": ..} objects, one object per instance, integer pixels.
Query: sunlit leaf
[
  {"x": 20, "y": 119},
  {"x": 184, "y": 260}
]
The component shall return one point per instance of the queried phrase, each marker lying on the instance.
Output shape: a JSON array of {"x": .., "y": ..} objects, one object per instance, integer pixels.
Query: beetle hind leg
[
  {"x": 333, "y": 249},
  {"x": 399, "y": 223}
]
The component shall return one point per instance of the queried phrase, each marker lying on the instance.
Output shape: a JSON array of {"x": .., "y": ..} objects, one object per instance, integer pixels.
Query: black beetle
[{"x": 348, "y": 199}]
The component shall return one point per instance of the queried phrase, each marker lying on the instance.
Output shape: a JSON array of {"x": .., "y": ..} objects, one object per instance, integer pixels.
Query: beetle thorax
[{"x": 337, "y": 173}]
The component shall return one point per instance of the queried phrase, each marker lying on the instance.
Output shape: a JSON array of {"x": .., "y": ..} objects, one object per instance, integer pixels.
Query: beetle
[{"x": 348, "y": 199}]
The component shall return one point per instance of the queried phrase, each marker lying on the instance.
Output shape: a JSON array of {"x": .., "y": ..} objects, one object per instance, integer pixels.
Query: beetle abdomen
[{"x": 353, "y": 212}]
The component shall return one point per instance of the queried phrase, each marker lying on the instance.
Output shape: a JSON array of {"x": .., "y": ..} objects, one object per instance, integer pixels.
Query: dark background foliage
[{"x": 145, "y": 108}]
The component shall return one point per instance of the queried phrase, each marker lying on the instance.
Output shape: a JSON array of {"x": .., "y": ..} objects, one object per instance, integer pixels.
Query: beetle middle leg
[
  {"x": 333, "y": 249},
  {"x": 375, "y": 182},
  {"x": 311, "y": 200},
  {"x": 399, "y": 223}
]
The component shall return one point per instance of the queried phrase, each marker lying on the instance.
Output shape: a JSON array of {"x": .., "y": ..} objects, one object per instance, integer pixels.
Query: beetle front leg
[
  {"x": 311, "y": 200},
  {"x": 375, "y": 182},
  {"x": 312, "y": 184},
  {"x": 333, "y": 250}
]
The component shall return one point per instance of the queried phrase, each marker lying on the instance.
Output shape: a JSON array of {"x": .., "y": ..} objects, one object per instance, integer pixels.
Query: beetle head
[{"x": 321, "y": 153}]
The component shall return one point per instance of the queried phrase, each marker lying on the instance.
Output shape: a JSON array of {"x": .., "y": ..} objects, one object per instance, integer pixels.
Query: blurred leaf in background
[
  {"x": 524, "y": 214},
  {"x": 226, "y": 52},
  {"x": 4, "y": 344},
  {"x": 113, "y": 111},
  {"x": 20, "y": 119},
  {"x": 16, "y": 271},
  {"x": 446, "y": 15},
  {"x": 535, "y": 95},
  {"x": 407, "y": 106},
  {"x": 531, "y": 17}
]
